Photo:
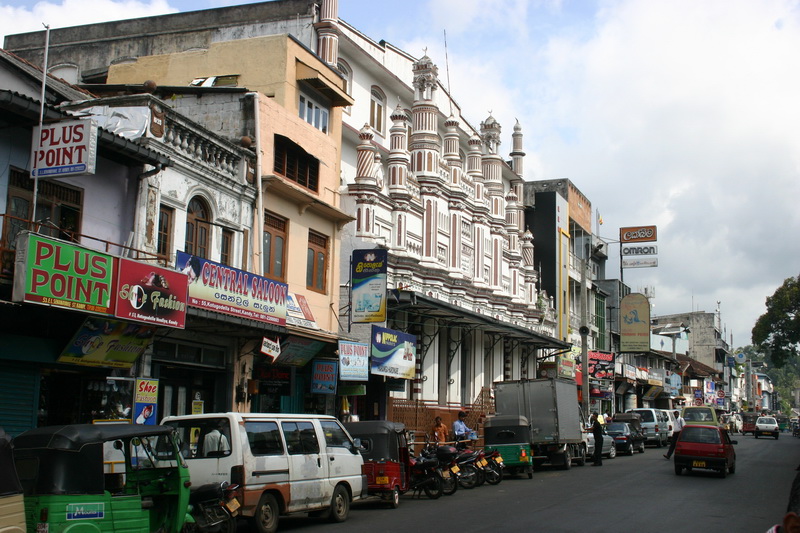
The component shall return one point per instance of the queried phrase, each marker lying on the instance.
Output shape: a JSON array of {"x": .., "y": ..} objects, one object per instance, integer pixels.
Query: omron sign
[
  {"x": 640, "y": 250},
  {"x": 638, "y": 234},
  {"x": 64, "y": 149}
]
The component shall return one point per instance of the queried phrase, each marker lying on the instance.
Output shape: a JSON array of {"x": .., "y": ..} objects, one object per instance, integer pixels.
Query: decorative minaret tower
[
  {"x": 492, "y": 166},
  {"x": 398, "y": 168},
  {"x": 425, "y": 149},
  {"x": 328, "y": 32},
  {"x": 480, "y": 227},
  {"x": 366, "y": 186}
]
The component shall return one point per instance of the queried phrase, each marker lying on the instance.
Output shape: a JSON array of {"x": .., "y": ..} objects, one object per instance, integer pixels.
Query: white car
[{"x": 767, "y": 425}]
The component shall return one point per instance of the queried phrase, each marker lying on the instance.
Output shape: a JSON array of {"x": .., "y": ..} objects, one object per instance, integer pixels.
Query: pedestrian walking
[
  {"x": 597, "y": 432},
  {"x": 676, "y": 433}
]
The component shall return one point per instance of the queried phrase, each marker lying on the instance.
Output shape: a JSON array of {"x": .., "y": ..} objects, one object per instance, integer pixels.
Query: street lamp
[{"x": 672, "y": 330}]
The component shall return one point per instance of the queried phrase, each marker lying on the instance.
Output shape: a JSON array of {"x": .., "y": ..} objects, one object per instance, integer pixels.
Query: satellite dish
[{"x": 740, "y": 357}]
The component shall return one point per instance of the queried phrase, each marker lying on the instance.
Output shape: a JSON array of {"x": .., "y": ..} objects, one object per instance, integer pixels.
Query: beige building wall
[{"x": 271, "y": 66}]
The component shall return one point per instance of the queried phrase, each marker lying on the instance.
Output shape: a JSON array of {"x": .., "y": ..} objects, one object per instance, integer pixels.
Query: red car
[{"x": 707, "y": 447}]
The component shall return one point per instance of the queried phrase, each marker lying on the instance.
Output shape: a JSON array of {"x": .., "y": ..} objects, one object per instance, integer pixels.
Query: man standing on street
[
  {"x": 597, "y": 432},
  {"x": 676, "y": 432}
]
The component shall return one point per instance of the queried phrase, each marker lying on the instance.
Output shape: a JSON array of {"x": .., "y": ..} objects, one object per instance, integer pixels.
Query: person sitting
[
  {"x": 215, "y": 444},
  {"x": 460, "y": 428},
  {"x": 439, "y": 430}
]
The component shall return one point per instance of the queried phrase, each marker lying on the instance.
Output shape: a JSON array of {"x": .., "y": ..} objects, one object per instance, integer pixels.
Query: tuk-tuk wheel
[
  {"x": 266, "y": 517},
  {"x": 394, "y": 498}
]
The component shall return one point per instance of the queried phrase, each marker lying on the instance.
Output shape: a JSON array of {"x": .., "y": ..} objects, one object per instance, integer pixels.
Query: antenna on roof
[{"x": 447, "y": 66}]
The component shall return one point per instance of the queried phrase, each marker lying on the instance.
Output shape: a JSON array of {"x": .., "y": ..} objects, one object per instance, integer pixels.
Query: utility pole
[{"x": 584, "y": 331}]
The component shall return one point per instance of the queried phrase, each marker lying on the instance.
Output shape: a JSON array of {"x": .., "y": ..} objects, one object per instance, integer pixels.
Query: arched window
[
  {"x": 377, "y": 106},
  {"x": 347, "y": 74},
  {"x": 198, "y": 228}
]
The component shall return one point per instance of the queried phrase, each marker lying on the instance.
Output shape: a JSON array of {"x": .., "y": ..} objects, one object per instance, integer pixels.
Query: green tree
[{"x": 777, "y": 332}]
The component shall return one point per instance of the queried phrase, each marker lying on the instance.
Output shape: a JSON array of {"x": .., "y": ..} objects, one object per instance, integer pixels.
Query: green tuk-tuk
[
  {"x": 12, "y": 512},
  {"x": 783, "y": 422},
  {"x": 105, "y": 477},
  {"x": 511, "y": 436}
]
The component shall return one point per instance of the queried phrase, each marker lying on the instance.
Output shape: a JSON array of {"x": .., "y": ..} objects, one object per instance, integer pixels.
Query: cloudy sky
[{"x": 683, "y": 114}]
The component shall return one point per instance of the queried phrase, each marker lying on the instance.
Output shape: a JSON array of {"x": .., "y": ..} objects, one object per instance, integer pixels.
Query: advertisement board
[
  {"x": 353, "y": 361},
  {"x": 635, "y": 323},
  {"x": 638, "y": 234},
  {"x": 323, "y": 377},
  {"x": 104, "y": 342},
  {"x": 145, "y": 402},
  {"x": 60, "y": 274},
  {"x": 67, "y": 148},
  {"x": 231, "y": 291},
  {"x": 368, "y": 282},
  {"x": 393, "y": 353},
  {"x": 151, "y": 294}
]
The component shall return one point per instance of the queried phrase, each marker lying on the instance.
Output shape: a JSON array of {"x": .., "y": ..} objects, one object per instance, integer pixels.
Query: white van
[{"x": 283, "y": 463}]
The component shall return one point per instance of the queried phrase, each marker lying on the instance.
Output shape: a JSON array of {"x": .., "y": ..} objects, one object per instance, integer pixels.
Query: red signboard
[
  {"x": 638, "y": 234},
  {"x": 147, "y": 293}
]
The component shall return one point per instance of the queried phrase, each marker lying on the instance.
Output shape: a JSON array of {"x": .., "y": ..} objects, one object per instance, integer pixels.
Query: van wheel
[
  {"x": 266, "y": 517},
  {"x": 340, "y": 505}
]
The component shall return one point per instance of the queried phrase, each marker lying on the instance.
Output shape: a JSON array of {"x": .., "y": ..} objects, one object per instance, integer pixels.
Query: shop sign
[
  {"x": 638, "y": 234},
  {"x": 298, "y": 312},
  {"x": 58, "y": 274},
  {"x": 273, "y": 380},
  {"x": 394, "y": 353},
  {"x": 652, "y": 393},
  {"x": 323, "y": 377},
  {"x": 566, "y": 367},
  {"x": 231, "y": 291},
  {"x": 357, "y": 389},
  {"x": 368, "y": 282},
  {"x": 67, "y": 148},
  {"x": 297, "y": 351},
  {"x": 198, "y": 407},
  {"x": 630, "y": 372},
  {"x": 601, "y": 365},
  {"x": 151, "y": 294},
  {"x": 639, "y": 262},
  {"x": 105, "y": 342},
  {"x": 270, "y": 348},
  {"x": 650, "y": 249},
  {"x": 635, "y": 323},
  {"x": 145, "y": 402},
  {"x": 353, "y": 361}
]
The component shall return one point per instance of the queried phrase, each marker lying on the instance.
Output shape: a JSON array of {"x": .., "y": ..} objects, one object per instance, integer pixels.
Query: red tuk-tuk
[
  {"x": 749, "y": 423},
  {"x": 388, "y": 465}
]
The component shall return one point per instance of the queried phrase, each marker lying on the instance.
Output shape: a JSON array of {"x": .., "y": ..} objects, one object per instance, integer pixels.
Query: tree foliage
[{"x": 777, "y": 332}]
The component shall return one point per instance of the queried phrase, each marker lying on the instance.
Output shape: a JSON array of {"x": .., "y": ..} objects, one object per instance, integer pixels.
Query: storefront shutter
[{"x": 19, "y": 396}]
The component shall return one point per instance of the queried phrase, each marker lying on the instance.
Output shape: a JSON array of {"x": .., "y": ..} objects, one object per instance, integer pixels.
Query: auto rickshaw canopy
[
  {"x": 380, "y": 439},
  {"x": 9, "y": 483}
]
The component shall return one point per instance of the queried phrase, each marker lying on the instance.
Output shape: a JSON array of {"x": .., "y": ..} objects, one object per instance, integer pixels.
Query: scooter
[{"x": 213, "y": 507}]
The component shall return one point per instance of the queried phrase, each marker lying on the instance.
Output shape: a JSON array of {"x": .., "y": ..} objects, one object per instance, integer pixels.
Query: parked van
[
  {"x": 655, "y": 424},
  {"x": 283, "y": 463}
]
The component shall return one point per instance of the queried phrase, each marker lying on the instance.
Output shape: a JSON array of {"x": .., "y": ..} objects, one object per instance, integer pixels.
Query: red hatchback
[{"x": 707, "y": 447}]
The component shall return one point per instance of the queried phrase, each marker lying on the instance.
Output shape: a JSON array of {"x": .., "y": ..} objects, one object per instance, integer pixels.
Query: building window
[
  {"x": 313, "y": 112},
  {"x": 58, "y": 205},
  {"x": 226, "y": 248},
  {"x": 294, "y": 163},
  {"x": 166, "y": 216},
  {"x": 347, "y": 75},
  {"x": 198, "y": 228},
  {"x": 274, "y": 246},
  {"x": 231, "y": 80},
  {"x": 316, "y": 261},
  {"x": 377, "y": 105}
]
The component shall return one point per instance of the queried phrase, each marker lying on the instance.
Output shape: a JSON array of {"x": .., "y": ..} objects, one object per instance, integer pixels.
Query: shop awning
[{"x": 313, "y": 77}]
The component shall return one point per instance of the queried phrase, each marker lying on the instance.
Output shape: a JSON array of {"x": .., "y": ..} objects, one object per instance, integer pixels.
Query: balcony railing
[{"x": 12, "y": 226}]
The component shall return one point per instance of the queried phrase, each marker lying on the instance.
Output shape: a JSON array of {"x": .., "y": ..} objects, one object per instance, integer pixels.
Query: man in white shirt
[{"x": 676, "y": 432}]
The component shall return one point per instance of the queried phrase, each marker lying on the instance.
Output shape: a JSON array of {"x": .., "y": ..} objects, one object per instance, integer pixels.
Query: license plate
[
  {"x": 454, "y": 469},
  {"x": 524, "y": 459},
  {"x": 483, "y": 462},
  {"x": 382, "y": 480},
  {"x": 42, "y": 527},
  {"x": 232, "y": 504},
  {"x": 445, "y": 474},
  {"x": 498, "y": 459},
  {"x": 699, "y": 464}
]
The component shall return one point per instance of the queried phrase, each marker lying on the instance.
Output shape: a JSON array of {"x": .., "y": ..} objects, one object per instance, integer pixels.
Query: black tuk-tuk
[
  {"x": 12, "y": 511},
  {"x": 104, "y": 477},
  {"x": 510, "y": 435}
]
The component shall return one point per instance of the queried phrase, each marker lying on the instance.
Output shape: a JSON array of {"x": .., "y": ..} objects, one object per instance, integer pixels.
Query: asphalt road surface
[{"x": 636, "y": 494}]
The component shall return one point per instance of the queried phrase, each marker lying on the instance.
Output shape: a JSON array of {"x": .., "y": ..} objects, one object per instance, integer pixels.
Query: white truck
[{"x": 551, "y": 407}]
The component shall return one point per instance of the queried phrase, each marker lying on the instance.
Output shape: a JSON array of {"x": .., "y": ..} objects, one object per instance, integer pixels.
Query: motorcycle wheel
[
  {"x": 449, "y": 485},
  {"x": 481, "y": 479},
  {"x": 469, "y": 476},
  {"x": 494, "y": 474},
  {"x": 434, "y": 492},
  {"x": 229, "y": 525}
]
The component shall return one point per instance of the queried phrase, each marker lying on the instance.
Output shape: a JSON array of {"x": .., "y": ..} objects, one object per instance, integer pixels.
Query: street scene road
[{"x": 640, "y": 494}]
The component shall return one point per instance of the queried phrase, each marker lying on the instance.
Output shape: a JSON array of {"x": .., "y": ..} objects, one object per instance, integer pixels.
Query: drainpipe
[{"x": 258, "y": 219}]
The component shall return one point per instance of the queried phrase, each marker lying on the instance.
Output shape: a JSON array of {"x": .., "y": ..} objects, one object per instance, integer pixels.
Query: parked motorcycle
[
  {"x": 446, "y": 456},
  {"x": 471, "y": 474},
  {"x": 426, "y": 476},
  {"x": 213, "y": 507}
]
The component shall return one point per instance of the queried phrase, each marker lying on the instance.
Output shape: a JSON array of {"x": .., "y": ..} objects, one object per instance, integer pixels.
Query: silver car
[{"x": 609, "y": 448}]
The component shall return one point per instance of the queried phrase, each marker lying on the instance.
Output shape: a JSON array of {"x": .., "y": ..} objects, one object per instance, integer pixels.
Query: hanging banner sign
[
  {"x": 151, "y": 294},
  {"x": 59, "y": 274},
  {"x": 66, "y": 148},
  {"x": 639, "y": 262},
  {"x": 650, "y": 249},
  {"x": 271, "y": 348},
  {"x": 298, "y": 312},
  {"x": 145, "y": 402},
  {"x": 104, "y": 342},
  {"x": 394, "y": 353},
  {"x": 231, "y": 291},
  {"x": 353, "y": 361},
  {"x": 368, "y": 282},
  {"x": 635, "y": 323}
]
